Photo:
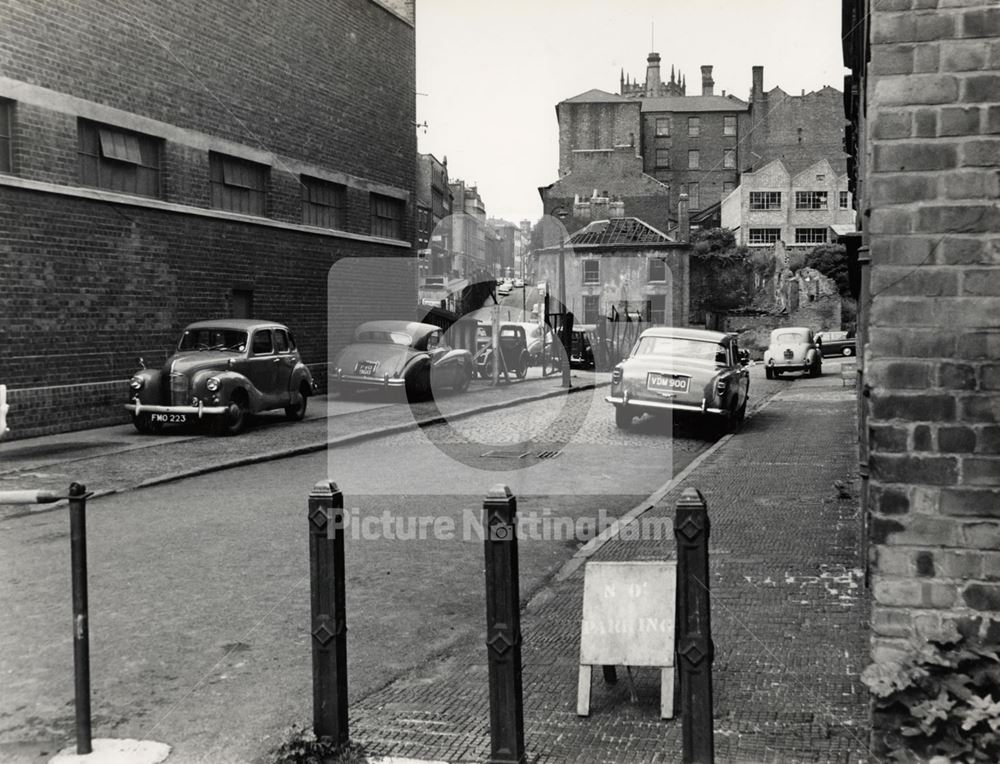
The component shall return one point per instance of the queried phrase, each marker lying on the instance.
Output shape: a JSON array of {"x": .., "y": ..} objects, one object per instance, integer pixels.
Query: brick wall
[
  {"x": 93, "y": 280},
  {"x": 597, "y": 125},
  {"x": 931, "y": 362}
]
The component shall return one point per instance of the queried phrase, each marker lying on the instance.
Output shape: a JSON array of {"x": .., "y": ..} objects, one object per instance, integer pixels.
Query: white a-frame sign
[{"x": 628, "y": 620}]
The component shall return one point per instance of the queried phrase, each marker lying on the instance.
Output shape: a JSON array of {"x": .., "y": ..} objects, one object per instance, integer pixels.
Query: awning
[{"x": 840, "y": 230}]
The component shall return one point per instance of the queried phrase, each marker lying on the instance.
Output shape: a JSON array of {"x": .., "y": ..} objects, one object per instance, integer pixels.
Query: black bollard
[
  {"x": 567, "y": 343},
  {"x": 695, "y": 650},
  {"x": 329, "y": 621},
  {"x": 503, "y": 627},
  {"x": 81, "y": 629}
]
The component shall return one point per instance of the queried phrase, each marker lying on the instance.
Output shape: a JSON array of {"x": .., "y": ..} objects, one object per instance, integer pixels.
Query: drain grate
[
  {"x": 548, "y": 454},
  {"x": 506, "y": 454}
]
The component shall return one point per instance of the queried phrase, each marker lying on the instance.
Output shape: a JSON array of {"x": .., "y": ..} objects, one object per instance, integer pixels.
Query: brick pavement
[{"x": 789, "y": 620}]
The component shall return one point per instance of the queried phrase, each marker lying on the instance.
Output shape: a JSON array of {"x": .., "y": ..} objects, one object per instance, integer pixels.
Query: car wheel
[
  {"x": 418, "y": 385},
  {"x": 848, "y": 352},
  {"x": 623, "y": 417},
  {"x": 768, "y": 372},
  {"x": 234, "y": 420},
  {"x": 296, "y": 412},
  {"x": 144, "y": 424},
  {"x": 741, "y": 413},
  {"x": 465, "y": 378},
  {"x": 521, "y": 370},
  {"x": 816, "y": 369}
]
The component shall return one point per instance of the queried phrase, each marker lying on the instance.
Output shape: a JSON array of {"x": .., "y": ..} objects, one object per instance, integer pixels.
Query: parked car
[
  {"x": 836, "y": 344},
  {"x": 513, "y": 350},
  {"x": 224, "y": 371},
  {"x": 585, "y": 349},
  {"x": 518, "y": 283},
  {"x": 505, "y": 288},
  {"x": 792, "y": 348},
  {"x": 401, "y": 355},
  {"x": 537, "y": 336},
  {"x": 685, "y": 371}
]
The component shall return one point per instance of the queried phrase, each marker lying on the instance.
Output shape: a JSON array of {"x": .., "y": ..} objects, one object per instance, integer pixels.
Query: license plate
[
  {"x": 366, "y": 368},
  {"x": 169, "y": 418},
  {"x": 671, "y": 383}
]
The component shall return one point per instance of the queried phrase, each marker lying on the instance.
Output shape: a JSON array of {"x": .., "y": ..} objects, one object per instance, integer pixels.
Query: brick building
[
  {"x": 801, "y": 209},
  {"x": 697, "y": 144},
  {"x": 166, "y": 163},
  {"x": 433, "y": 206},
  {"x": 925, "y": 137},
  {"x": 468, "y": 231}
]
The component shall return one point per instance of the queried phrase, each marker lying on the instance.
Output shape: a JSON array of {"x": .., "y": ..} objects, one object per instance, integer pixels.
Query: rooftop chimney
[
  {"x": 758, "y": 83},
  {"x": 683, "y": 220},
  {"x": 707, "y": 83},
  {"x": 652, "y": 75}
]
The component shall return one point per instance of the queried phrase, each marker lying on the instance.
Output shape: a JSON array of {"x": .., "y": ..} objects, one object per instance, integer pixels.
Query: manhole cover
[{"x": 548, "y": 454}]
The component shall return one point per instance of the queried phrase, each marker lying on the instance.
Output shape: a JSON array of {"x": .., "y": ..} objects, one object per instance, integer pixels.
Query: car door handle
[{"x": 276, "y": 360}]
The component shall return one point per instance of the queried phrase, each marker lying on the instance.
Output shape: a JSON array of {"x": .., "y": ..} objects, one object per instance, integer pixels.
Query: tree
[{"x": 831, "y": 261}]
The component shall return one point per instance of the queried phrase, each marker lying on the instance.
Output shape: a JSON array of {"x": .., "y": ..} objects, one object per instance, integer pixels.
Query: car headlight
[
  {"x": 212, "y": 384},
  {"x": 720, "y": 387},
  {"x": 616, "y": 375},
  {"x": 136, "y": 383}
]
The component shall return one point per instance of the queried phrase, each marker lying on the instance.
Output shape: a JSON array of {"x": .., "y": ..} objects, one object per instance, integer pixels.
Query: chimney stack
[
  {"x": 707, "y": 83},
  {"x": 683, "y": 219},
  {"x": 758, "y": 83},
  {"x": 653, "y": 75}
]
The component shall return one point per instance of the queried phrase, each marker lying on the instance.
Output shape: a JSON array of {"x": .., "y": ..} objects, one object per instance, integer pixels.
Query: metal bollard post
[
  {"x": 329, "y": 621},
  {"x": 503, "y": 627},
  {"x": 567, "y": 343},
  {"x": 695, "y": 651},
  {"x": 81, "y": 632}
]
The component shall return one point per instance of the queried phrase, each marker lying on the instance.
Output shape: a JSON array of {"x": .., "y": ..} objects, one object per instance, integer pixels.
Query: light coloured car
[
  {"x": 791, "y": 349},
  {"x": 505, "y": 288},
  {"x": 518, "y": 283},
  {"x": 223, "y": 371},
  {"x": 401, "y": 355},
  {"x": 685, "y": 371}
]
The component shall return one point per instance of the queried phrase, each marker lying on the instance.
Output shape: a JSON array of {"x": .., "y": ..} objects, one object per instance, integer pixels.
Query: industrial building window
[
  {"x": 663, "y": 157},
  {"x": 591, "y": 308},
  {"x": 729, "y": 159},
  {"x": 764, "y": 235},
  {"x": 843, "y": 200},
  {"x": 387, "y": 216},
  {"x": 693, "y": 159},
  {"x": 118, "y": 160},
  {"x": 810, "y": 236},
  {"x": 238, "y": 185},
  {"x": 810, "y": 200},
  {"x": 591, "y": 271},
  {"x": 662, "y": 127},
  {"x": 729, "y": 125},
  {"x": 657, "y": 269},
  {"x": 323, "y": 203},
  {"x": 765, "y": 200},
  {"x": 656, "y": 309},
  {"x": 694, "y": 196},
  {"x": 6, "y": 134},
  {"x": 694, "y": 126}
]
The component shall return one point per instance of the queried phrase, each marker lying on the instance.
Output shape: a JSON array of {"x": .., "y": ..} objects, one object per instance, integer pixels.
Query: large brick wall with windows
[
  {"x": 92, "y": 278},
  {"x": 927, "y": 158}
]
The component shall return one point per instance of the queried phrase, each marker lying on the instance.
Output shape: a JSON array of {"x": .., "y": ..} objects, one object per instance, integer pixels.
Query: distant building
[
  {"x": 468, "y": 231},
  {"x": 802, "y": 210},
  {"x": 434, "y": 203}
]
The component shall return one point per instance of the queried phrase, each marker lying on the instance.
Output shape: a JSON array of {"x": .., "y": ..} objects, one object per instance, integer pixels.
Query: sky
[{"x": 489, "y": 75}]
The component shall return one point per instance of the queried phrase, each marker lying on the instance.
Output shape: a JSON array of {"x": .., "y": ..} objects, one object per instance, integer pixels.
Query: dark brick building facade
[{"x": 168, "y": 163}]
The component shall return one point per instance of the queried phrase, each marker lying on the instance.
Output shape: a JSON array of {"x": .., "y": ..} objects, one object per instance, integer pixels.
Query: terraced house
[{"x": 161, "y": 164}]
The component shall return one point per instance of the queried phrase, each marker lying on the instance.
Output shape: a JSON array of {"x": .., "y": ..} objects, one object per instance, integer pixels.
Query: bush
[
  {"x": 302, "y": 747},
  {"x": 943, "y": 691}
]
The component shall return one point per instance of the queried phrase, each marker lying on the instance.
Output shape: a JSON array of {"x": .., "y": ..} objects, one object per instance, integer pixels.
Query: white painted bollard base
[{"x": 109, "y": 751}]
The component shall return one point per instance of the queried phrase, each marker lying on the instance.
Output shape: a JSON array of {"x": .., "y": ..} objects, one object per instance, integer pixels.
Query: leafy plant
[
  {"x": 303, "y": 747},
  {"x": 831, "y": 261},
  {"x": 946, "y": 694}
]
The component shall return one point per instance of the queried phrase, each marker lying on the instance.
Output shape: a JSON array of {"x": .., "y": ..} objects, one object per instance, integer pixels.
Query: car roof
[
  {"x": 791, "y": 329},
  {"x": 682, "y": 333},
  {"x": 413, "y": 328},
  {"x": 243, "y": 324}
]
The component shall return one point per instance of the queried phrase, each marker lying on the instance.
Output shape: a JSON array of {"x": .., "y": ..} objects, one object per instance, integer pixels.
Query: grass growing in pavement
[{"x": 302, "y": 747}]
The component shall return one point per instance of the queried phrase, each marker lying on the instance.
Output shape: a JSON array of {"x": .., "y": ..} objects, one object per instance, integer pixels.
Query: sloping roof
[
  {"x": 619, "y": 231},
  {"x": 598, "y": 96},
  {"x": 694, "y": 103}
]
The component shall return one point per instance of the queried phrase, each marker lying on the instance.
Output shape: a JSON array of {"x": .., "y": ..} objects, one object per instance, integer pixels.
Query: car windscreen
[
  {"x": 681, "y": 348},
  {"x": 232, "y": 340},
  {"x": 392, "y": 338},
  {"x": 789, "y": 338}
]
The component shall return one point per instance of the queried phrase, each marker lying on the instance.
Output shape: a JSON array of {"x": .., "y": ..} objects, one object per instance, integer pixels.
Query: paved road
[{"x": 199, "y": 594}]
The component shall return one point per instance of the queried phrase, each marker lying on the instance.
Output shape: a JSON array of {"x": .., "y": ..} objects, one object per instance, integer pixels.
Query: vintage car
[
  {"x": 586, "y": 351},
  {"x": 792, "y": 348},
  {"x": 404, "y": 355},
  {"x": 223, "y": 371},
  {"x": 836, "y": 344},
  {"x": 685, "y": 371},
  {"x": 505, "y": 288},
  {"x": 513, "y": 350}
]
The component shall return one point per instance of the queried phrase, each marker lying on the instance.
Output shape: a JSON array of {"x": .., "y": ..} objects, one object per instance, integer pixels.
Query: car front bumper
[
  {"x": 642, "y": 403},
  {"x": 137, "y": 407},
  {"x": 789, "y": 366},
  {"x": 372, "y": 382}
]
